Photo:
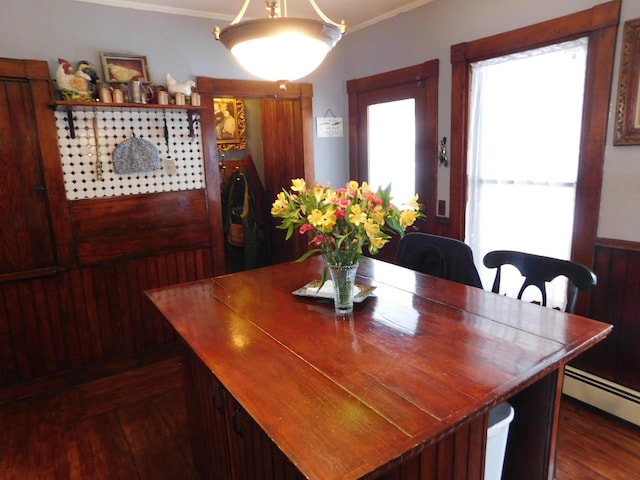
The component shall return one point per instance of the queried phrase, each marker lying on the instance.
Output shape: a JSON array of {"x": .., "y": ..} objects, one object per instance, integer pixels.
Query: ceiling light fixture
[{"x": 280, "y": 48}]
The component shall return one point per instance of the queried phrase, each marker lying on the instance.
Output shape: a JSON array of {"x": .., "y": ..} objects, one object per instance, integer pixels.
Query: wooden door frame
[
  {"x": 426, "y": 75},
  {"x": 217, "y": 87}
]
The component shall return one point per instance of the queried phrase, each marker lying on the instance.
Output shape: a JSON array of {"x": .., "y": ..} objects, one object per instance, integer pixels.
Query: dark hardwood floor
[
  {"x": 130, "y": 426},
  {"x": 133, "y": 426}
]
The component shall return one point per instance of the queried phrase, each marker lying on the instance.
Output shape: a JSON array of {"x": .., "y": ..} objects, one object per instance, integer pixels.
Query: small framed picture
[
  {"x": 122, "y": 68},
  {"x": 627, "y": 129},
  {"x": 230, "y": 123}
]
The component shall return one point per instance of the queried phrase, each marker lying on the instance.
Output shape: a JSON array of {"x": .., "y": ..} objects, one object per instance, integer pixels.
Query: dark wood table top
[{"x": 422, "y": 356}]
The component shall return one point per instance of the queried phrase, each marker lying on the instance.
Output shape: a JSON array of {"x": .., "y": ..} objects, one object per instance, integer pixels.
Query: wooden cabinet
[
  {"x": 206, "y": 407},
  {"x": 227, "y": 443}
]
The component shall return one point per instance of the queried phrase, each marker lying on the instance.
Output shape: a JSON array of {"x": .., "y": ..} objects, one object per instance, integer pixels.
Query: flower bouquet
[{"x": 341, "y": 223}]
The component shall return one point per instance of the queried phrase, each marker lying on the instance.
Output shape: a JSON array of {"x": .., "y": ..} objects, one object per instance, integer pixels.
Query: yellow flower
[
  {"x": 378, "y": 214},
  {"x": 357, "y": 216},
  {"x": 407, "y": 218},
  {"x": 413, "y": 203},
  {"x": 372, "y": 228},
  {"x": 318, "y": 192},
  {"x": 298, "y": 185},
  {"x": 328, "y": 220},
  {"x": 280, "y": 204},
  {"x": 377, "y": 243},
  {"x": 315, "y": 217},
  {"x": 330, "y": 196}
]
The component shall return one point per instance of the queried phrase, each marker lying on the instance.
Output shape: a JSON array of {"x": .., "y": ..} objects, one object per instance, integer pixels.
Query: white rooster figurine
[
  {"x": 174, "y": 87},
  {"x": 73, "y": 86}
]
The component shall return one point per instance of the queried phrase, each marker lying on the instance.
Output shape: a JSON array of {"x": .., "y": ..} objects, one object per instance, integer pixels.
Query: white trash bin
[{"x": 500, "y": 418}]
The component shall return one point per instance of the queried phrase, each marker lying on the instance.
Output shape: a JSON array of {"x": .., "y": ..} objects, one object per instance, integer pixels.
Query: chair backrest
[
  {"x": 438, "y": 256},
  {"x": 538, "y": 270}
]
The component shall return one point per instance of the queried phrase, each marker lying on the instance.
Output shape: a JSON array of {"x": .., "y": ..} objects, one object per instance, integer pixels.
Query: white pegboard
[{"x": 79, "y": 154}]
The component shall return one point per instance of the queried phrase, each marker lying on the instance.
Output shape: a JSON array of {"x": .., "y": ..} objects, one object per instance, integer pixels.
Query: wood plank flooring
[
  {"x": 134, "y": 426},
  {"x": 593, "y": 445},
  {"x": 130, "y": 426}
]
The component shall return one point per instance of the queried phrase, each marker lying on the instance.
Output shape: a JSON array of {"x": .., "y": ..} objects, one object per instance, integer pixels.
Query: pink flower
[{"x": 304, "y": 228}]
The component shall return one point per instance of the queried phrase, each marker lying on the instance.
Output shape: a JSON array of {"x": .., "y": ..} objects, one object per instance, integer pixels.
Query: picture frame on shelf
[
  {"x": 122, "y": 68},
  {"x": 627, "y": 127},
  {"x": 230, "y": 124}
]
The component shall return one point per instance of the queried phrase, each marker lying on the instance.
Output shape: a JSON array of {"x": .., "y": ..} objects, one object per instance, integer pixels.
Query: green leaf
[
  {"x": 289, "y": 232},
  {"x": 308, "y": 254}
]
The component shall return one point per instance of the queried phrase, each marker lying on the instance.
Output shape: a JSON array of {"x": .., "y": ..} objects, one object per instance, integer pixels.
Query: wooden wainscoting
[
  {"x": 109, "y": 228},
  {"x": 607, "y": 376},
  {"x": 88, "y": 322}
]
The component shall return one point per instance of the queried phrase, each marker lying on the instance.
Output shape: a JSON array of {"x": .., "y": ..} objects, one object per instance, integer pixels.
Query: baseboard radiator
[{"x": 603, "y": 394}]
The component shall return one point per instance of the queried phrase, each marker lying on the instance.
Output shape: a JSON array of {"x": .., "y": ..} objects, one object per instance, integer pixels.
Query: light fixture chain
[
  {"x": 241, "y": 12},
  {"x": 321, "y": 14}
]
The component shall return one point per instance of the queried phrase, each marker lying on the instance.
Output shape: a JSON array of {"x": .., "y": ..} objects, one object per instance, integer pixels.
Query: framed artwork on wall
[
  {"x": 230, "y": 124},
  {"x": 122, "y": 68},
  {"x": 627, "y": 128}
]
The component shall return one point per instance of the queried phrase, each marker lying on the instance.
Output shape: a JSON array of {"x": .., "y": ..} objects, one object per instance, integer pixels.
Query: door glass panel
[{"x": 391, "y": 142}]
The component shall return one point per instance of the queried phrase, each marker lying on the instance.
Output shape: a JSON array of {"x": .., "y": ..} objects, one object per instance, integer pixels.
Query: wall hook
[{"x": 442, "y": 152}]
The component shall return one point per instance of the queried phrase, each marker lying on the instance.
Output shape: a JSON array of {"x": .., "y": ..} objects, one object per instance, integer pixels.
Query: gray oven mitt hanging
[{"x": 135, "y": 155}]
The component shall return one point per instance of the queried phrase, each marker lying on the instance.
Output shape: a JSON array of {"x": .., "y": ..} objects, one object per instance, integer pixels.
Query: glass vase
[{"x": 343, "y": 278}]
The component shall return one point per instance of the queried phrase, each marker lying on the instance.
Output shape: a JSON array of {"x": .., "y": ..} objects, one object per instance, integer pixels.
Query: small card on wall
[{"x": 329, "y": 126}]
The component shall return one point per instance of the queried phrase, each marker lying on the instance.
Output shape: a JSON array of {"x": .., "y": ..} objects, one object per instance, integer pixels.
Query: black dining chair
[
  {"x": 442, "y": 257},
  {"x": 537, "y": 270}
]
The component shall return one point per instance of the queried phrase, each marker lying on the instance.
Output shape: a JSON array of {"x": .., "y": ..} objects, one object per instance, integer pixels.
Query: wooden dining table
[{"x": 277, "y": 387}]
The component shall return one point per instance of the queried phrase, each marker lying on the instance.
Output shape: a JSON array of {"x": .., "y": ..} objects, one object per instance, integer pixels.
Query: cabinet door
[
  {"x": 253, "y": 455},
  {"x": 207, "y": 414},
  {"x": 227, "y": 443},
  {"x": 25, "y": 236}
]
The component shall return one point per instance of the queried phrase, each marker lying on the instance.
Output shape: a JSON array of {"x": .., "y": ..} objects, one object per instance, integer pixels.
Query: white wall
[{"x": 184, "y": 46}]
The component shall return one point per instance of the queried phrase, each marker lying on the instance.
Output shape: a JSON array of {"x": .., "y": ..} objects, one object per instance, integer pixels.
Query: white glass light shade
[{"x": 280, "y": 49}]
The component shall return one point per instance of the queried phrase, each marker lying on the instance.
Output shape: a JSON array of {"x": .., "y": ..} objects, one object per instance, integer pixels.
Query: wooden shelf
[
  {"x": 61, "y": 104},
  {"x": 84, "y": 106}
]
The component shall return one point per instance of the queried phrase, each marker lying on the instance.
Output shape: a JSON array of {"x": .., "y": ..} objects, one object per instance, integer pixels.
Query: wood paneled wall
[
  {"x": 87, "y": 322},
  {"x": 616, "y": 300},
  {"x": 72, "y": 306},
  {"x": 110, "y": 228}
]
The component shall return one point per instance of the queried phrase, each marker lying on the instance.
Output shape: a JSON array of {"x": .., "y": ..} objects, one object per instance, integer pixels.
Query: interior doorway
[{"x": 286, "y": 120}]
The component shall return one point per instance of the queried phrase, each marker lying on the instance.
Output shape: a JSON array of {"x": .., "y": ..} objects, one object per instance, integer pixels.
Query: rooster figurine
[
  {"x": 174, "y": 87},
  {"x": 73, "y": 86},
  {"x": 90, "y": 69}
]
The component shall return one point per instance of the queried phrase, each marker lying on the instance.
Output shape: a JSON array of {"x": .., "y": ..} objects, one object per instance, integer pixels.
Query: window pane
[
  {"x": 392, "y": 146},
  {"x": 524, "y": 145}
]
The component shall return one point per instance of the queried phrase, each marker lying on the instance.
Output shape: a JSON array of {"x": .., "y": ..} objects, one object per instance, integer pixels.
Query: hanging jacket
[{"x": 239, "y": 218}]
